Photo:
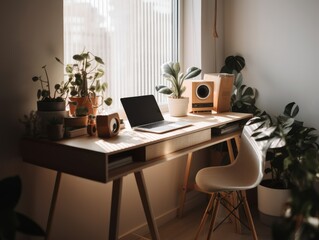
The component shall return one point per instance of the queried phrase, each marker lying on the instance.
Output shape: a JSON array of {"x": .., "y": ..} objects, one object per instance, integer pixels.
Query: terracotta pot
[
  {"x": 76, "y": 122},
  {"x": 50, "y": 106},
  {"x": 91, "y": 103}
]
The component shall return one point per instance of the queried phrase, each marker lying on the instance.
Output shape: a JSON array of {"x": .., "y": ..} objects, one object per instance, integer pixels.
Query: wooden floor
[{"x": 185, "y": 229}]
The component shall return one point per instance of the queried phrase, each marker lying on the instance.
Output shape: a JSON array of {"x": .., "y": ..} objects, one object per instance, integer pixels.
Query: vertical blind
[{"x": 133, "y": 37}]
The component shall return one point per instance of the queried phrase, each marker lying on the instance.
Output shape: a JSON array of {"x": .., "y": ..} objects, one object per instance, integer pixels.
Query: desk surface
[{"x": 89, "y": 156}]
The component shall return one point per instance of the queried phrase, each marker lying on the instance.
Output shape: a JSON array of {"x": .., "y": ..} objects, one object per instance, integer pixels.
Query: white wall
[
  {"x": 31, "y": 36},
  {"x": 199, "y": 47},
  {"x": 279, "y": 40}
]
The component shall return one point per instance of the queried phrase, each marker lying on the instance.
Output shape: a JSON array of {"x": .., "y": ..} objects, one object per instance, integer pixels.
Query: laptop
[{"x": 144, "y": 114}]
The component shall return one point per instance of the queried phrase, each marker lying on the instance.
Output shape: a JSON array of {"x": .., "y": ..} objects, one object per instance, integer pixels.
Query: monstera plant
[
  {"x": 243, "y": 98},
  {"x": 294, "y": 164}
]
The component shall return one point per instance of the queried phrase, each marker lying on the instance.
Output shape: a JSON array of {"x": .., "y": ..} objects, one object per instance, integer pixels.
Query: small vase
[{"x": 178, "y": 107}]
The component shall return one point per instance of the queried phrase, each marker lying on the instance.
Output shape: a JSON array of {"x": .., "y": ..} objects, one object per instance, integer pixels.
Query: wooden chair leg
[
  {"x": 233, "y": 195},
  {"x": 208, "y": 210},
  {"x": 214, "y": 215},
  {"x": 249, "y": 217}
]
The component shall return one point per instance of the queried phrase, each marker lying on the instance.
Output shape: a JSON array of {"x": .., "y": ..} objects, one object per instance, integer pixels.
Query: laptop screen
[{"x": 141, "y": 110}]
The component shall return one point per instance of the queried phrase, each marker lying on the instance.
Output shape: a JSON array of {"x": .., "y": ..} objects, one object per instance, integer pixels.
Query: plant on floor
[
  {"x": 171, "y": 73},
  {"x": 10, "y": 220},
  {"x": 243, "y": 98},
  {"x": 294, "y": 163}
]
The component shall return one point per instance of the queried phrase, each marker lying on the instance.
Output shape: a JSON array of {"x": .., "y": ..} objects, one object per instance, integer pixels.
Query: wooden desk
[{"x": 90, "y": 157}]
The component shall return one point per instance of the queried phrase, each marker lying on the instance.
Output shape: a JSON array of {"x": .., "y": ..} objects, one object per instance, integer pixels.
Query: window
[{"x": 133, "y": 37}]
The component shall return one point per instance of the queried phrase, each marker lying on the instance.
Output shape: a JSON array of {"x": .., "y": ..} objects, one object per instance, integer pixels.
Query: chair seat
[{"x": 225, "y": 178}]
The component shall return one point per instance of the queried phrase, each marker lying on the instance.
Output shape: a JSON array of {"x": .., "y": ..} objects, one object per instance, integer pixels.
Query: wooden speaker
[
  {"x": 223, "y": 87},
  {"x": 108, "y": 125},
  {"x": 201, "y": 95}
]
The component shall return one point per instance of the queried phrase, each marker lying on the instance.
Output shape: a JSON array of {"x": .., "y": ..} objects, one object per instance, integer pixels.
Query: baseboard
[{"x": 194, "y": 199}]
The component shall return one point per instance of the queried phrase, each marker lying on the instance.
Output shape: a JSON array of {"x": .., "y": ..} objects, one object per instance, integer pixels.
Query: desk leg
[
  {"x": 185, "y": 185},
  {"x": 53, "y": 203},
  {"x": 139, "y": 177},
  {"x": 115, "y": 208}
]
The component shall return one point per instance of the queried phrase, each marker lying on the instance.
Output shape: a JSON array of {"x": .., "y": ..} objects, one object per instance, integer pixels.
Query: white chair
[{"x": 244, "y": 173}]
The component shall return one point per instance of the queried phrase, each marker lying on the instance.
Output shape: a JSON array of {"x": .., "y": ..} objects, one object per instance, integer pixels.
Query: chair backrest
[{"x": 250, "y": 161}]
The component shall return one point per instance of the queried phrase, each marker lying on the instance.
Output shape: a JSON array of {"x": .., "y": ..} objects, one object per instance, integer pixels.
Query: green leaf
[
  {"x": 99, "y": 60},
  {"x": 235, "y": 63},
  {"x": 69, "y": 68},
  {"x": 291, "y": 110},
  {"x": 165, "y": 90},
  {"x": 35, "y": 78},
  {"x": 57, "y": 86},
  {"x": 78, "y": 57},
  {"x": 176, "y": 68},
  {"x": 167, "y": 69},
  {"x": 85, "y": 55},
  {"x": 192, "y": 72},
  {"x": 108, "y": 101}
]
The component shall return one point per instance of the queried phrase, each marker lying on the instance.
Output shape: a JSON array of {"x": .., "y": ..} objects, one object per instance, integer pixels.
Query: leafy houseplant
[
  {"x": 171, "y": 73},
  {"x": 294, "y": 163},
  {"x": 10, "y": 220},
  {"x": 289, "y": 143},
  {"x": 85, "y": 81},
  {"x": 31, "y": 124},
  {"x": 243, "y": 98},
  {"x": 45, "y": 96}
]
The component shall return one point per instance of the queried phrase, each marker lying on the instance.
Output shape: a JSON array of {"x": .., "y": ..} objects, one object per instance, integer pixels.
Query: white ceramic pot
[
  {"x": 177, "y": 107},
  {"x": 272, "y": 201}
]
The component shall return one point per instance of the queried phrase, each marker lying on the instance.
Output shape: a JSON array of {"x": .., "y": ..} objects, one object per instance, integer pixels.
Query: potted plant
[
  {"x": 292, "y": 155},
  {"x": 177, "y": 104},
  {"x": 12, "y": 221},
  {"x": 47, "y": 101},
  {"x": 55, "y": 129},
  {"x": 80, "y": 119},
  {"x": 31, "y": 124},
  {"x": 243, "y": 97},
  {"x": 86, "y": 86}
]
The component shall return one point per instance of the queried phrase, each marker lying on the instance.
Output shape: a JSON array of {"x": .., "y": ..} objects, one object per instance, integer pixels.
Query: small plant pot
[
  {"x": 55, "y": 132},
  {"x": 76, "y": 122},
  {"x": 50, "y": 106},
  {"x": 178, "y": 107}
]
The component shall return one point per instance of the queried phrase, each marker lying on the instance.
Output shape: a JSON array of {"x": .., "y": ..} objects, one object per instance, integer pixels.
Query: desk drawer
[{"x": 172, "y": 145}]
